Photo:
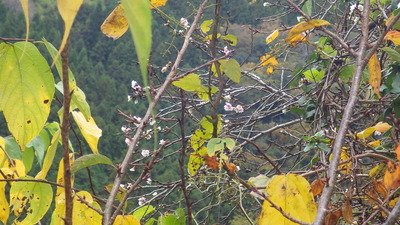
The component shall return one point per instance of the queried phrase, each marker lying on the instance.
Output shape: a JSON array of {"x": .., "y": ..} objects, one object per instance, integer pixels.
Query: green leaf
[
  {"x": 48, "y": 159},
  {"x": 143, "y": 211},
  {"x": 307, "y": 7},
  {"x": 214, "y": 145},
  {"x": 231, "y": 39},
  {"x": 32, "y": 198},
  {"x": 232, "y": 69},
  {"x": 40, "y": 144},
  {"x": 78, "y": 98},
  {"x": 178, "y": 218},
  {"x": 190, "y": 82},
  {"x": 392, "y": 53},
  {"x": 208, "y": 126},
  {"x": 150, "y": 221},
  {"x": 260, "y": 181},
  {"x": 138, "y": 14},
  {"x": 12, "y": 148},
  {"x": 314, "y": 75},
  {"x": 27, "y": 157},
  {"x": 89, "y": 160},
  {"x": 26, "y": 90},
  {"x": 206, "y": 25},
  {"x": 229, "y": 143},
  {"x": 346, "y": 73}
]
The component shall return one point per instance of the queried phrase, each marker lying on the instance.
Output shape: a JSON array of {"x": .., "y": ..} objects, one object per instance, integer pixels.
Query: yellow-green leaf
[
  {"x": 206, "y": 25},
  {"x": 375, "y": 74},
  {"x": 196, "y": 160},
  {"x": 50, "y": 153},
  {"x": 143, "y": 211},
  {"x": 190, "y": 82},
  {"x": 304, "y": 26},
  {"x": 204, "y": 92},
  {"x": 90, "y": 131},
  {"x": 126, "y": 220},
  {"x": 89, "y": 160},
  {"x": 365, "y": 133},
  {"x": 68, "y": 11},
  {"x": 25, "y": 10},
  {"x": 138, "y": 14},
  {"x": 232, "y": 69},
  {"x": 82, "y": 213},
  {"x": 271, "y": 37},
  {"x": 26, "y": 90},
  {"x": 115, "y": 25},
  {"x": 292, "y": 193},
  {"x": 33, "y": 197},
  {"x": 230, "y": 38},
  {"x": 4, "y": 208}
]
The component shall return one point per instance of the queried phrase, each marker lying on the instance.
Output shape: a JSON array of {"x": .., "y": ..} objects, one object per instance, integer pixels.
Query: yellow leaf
[
  {"x": 272, "y": 37},
  {"x": 393, "y": 36},
  {"x": 382, "y": 127},
  {"x": 304, "y": 26},
  {"x": 268, "y": 60},
  {"x": 116, "y": 24},
  {"x": 397, "y": 151},
  {"x": 82, "y": 214},
  {"x": 365, "y": 133},
  {"x": 60, "y": 176},
  {"x": 157, "y": 3},
  {"x": 374, "y": 143},
  {"x": 3, "y": 157},
  {"x": 377, "y": 171},
  {"x": 393, "y": 202},
  {"x": 13, "y": 170},
  {"x": 68, "y": 10},
  {"x": 346, "y": 166},
  {"x": 126, "y": 220},
  {"x": 4, "y": 208},
  {"x": 90, "y": 131},
  {"x": 375, "y": 74},
  {"x": 293, "y": 195},
  {"x": 300, "y": 38}
]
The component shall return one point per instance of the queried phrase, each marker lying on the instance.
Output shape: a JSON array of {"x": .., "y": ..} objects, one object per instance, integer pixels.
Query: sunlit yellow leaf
[
  {"x": 90, "y": 131},
  {"x": 382, "y": 127},
  {"x": 375, "y": 74},
  {"x": 126, "y": 220},
  {"x": 272, "y": 37},
  {"x": 377, "y": 171},
  {"x": 293, "y": 195},
  {"x": 209, "y": 37},
  {"x": 157, "y": 3},
  {"x": 393, "y": 36},
  {"x": 60, "y": 176},
  {"x": 13, "y": 170},
  {"x": 374, "y": 143},
  {"x": 206, "y": 25},
  {"x": 344, "y": 156},
  {"x": 365, "y": 133},
  {"x": 300, "y": 38},
  {"x": 115, "y": 24},
  {"x": 270, "y": 70},
  {"x": 393, "y": 202},
  {"x": 304, "y": 26},
  {"x": 68, "y": 11},
  {"x": 267, "y": 59}
]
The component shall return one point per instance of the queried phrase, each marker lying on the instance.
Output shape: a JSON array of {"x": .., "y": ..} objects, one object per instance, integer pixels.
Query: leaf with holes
[
  {"x": 293, "y": 195},
  {"x": 82, "y": 213},
  {"x": 26, "y": 90},
  {"x": 34, "y": 198}
]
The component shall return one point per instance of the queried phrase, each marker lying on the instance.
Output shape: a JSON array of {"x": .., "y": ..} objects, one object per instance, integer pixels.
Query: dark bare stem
[
  {"x": 15, "y": 39},
  {"x": 107, "y": 218},
  {"x": 64, "y": 137},
  {"x": 344, "y": 124},
  {"x": 182, "y": 159}
]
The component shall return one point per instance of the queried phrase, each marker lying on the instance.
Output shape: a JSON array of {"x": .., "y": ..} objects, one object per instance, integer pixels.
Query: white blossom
[
  {"x": 300, "y": 18},
  {"x": 152, "y": 122},
  {"x": 354, "y": 6},
  {"x": 148, "y": 181},
  {"x": 134, "y": 84},
  {"x": 184, "y": 22},
  {"x": 237, "y": 168},
  {"x": 129, "y": 98},
  {"x": 132, "y": 169},
  {"x": 266, "y": 4},
  {"x": 398, "y": 5},
  {"x": 228, "y": 106},
  {"x": 238, "y": 109},
  {"x": 226, "y": 50},
  {"x": 164, "y": 69},
  {"x": 128, "y": 141},
  {"x": 124, "y": 129},
  {"x": 145, "y": 153},
  {"x": 136, "y": 101},
  {"x": 141, "y": 201},
  {"x": 227, "y": 98},
  {"x": 162, "y": 142},
  {"x": 155, "y": 194}
]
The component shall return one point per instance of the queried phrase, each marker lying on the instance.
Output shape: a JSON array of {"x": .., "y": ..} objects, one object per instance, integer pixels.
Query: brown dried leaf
[
  {"x": 332, "y": 218},
  {"x": 382, "y": 127},
  {"x": 211, "y": 162},
  {"x": 391, "y": 179},
  {"x": 347, "y": 212},
  {"x": 317, "y": 186}
]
